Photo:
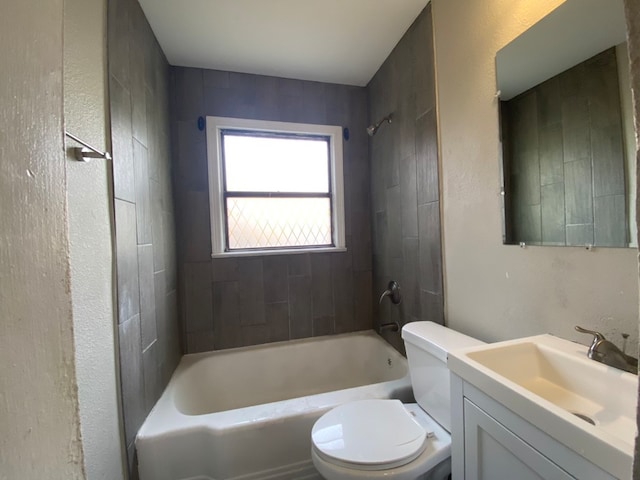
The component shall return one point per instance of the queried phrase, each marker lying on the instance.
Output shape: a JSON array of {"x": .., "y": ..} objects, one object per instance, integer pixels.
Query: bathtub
[{"x": 247, "y": 413}]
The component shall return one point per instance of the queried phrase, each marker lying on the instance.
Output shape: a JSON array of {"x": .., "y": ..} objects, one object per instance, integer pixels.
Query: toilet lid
[{"x": 369, "y": 434}]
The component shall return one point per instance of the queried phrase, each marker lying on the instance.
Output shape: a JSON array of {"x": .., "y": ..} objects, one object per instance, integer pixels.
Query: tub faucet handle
[{"x": 393, "y": 292}]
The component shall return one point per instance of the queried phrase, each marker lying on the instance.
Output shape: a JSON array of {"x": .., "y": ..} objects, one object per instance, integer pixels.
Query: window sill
[{"x": 264, "y": 253}]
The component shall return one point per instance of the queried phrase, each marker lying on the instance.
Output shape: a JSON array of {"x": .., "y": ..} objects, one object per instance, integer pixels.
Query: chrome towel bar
[{"x": 84, "y": 153}]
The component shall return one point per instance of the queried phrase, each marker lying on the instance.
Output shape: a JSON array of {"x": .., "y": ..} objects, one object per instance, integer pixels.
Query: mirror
[{"x": 567, "y": 131}]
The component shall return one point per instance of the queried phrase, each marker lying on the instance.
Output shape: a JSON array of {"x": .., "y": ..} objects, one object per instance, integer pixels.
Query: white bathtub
[{"x": 247, "y": 413}]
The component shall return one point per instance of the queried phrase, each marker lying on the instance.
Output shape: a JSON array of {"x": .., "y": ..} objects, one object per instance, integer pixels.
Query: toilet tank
[{"x": 427, "y": 345}]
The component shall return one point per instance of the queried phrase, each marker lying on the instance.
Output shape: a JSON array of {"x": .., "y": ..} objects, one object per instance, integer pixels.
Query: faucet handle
[
  {"x": 597, "y": 336},
  {"x": 393, "y": 292}
]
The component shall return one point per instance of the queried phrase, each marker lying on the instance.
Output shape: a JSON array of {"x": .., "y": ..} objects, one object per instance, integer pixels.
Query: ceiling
[{"x": 334, "y": 41}]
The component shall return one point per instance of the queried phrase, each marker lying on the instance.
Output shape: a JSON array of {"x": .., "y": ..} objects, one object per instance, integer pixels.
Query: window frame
[{"x": 219, "y": 229}]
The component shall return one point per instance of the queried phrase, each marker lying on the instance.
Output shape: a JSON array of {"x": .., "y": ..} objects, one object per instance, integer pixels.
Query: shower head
[{"x": 372, "y": 129}]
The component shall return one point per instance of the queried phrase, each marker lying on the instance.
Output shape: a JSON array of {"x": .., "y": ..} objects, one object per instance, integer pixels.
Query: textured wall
[
  {"x": 39, "y": 421},
  {"x": 632, "y": 12},
  {"x": 242, "y": 301},
  {"x": 90, "y": 235},
  {"x": 496, "y": 291},
  {"x": 149, "y": 336},
  {"x": 404, "y": 181}
]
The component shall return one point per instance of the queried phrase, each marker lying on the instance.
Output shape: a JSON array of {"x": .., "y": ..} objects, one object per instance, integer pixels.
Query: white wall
[
  {"x": 495, "y": 291},
  {"x": 90, "y": 232},
  {"x": 39, "y": 422}
]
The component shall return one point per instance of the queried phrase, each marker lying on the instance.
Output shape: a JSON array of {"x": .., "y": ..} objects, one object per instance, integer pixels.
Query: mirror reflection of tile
[{"x": 566, "y": 161}]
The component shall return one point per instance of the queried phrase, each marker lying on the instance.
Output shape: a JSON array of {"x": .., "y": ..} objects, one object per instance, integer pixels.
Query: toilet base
[{"x": 442, "y": 471}]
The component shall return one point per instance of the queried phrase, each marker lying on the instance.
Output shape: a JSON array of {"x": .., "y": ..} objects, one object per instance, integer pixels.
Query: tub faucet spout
[{"x": 392, "y": 326}]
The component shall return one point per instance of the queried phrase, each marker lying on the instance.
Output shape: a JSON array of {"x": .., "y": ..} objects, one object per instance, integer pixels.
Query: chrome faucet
[{"x": 603, "y": 351}]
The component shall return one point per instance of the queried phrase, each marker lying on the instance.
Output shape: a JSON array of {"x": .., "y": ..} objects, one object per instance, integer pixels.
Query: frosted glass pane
[
  {"x": 278, "y": 222},
  {"x": 276, "y": 164}
]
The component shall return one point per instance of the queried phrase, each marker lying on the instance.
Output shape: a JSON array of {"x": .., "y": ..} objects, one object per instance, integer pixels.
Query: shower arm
[
  {"x": 372, "y": 129},
  {"x": 387, "y": 119}
]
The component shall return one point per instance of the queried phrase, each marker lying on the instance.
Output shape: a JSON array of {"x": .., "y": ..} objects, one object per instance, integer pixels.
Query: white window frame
[{"x": 216, "y": 188}]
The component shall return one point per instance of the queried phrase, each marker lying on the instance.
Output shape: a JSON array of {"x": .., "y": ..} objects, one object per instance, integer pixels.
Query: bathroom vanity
[{"x": 536, "y": 408}]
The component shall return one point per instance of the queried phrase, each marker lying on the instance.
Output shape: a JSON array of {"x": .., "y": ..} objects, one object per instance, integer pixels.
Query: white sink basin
[{"x": 550, "y": 382}]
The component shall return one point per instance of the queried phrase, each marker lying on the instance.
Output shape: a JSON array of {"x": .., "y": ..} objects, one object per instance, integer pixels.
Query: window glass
[
  {"x": 278, "y": 222},
  {"x": 275, "y": 163},
  {"x": 274, "y": 187}
]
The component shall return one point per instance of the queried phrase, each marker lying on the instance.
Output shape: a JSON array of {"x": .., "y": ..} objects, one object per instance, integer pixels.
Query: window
[{"x": 274, "y": 187}]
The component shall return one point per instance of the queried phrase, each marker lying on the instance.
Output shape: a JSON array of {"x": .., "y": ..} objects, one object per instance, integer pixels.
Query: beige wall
[
  {"x": 632, "y": 13},
  {"x": 90, "y": 235},
  {"x": 39, "y": 421},
  {"x": 494, "y": 291}
]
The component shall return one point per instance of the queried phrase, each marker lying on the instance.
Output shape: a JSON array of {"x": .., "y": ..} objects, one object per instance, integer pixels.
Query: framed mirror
[{"x": 568, "y": 141}]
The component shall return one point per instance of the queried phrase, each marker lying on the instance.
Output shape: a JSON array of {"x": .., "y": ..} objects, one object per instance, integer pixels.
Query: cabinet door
[{"x": 492, "y": 452}]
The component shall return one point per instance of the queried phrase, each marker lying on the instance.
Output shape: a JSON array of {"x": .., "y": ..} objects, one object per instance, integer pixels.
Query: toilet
[{"x": 386, "y": 438}]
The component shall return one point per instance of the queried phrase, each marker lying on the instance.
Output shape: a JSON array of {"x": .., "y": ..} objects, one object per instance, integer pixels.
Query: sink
[
  {"x": 574, "y": 383},
  {"x": 550, "y": 382}
]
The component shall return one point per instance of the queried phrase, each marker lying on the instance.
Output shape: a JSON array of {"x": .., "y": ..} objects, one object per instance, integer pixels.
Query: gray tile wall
[
  {"x": 148, "y": 332},
  {"x": 242, "y": 301},
  {"x": 404, "y": 182}
]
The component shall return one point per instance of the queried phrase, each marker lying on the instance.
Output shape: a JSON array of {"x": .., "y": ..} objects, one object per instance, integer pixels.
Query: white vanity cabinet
[{"x": 490, "y": 442}]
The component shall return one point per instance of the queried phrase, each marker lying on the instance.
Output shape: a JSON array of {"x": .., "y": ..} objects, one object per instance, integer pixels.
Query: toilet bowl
[
  {"x": 380, "y": 439},
  {"x": 388, "y": 439}
]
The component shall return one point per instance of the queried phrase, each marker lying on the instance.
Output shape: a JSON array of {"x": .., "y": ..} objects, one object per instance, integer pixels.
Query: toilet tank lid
[{"x": 436, "y": 339}]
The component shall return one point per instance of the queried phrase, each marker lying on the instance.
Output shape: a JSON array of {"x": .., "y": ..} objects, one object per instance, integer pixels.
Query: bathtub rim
[
  {"x": 192, "y": 358},
  {"x": 165, "y": 419}
]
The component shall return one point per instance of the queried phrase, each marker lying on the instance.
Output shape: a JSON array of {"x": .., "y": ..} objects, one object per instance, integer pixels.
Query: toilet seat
[
  {"x": 426, "y": 453},
  {"x": 369, "y": 435}
]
